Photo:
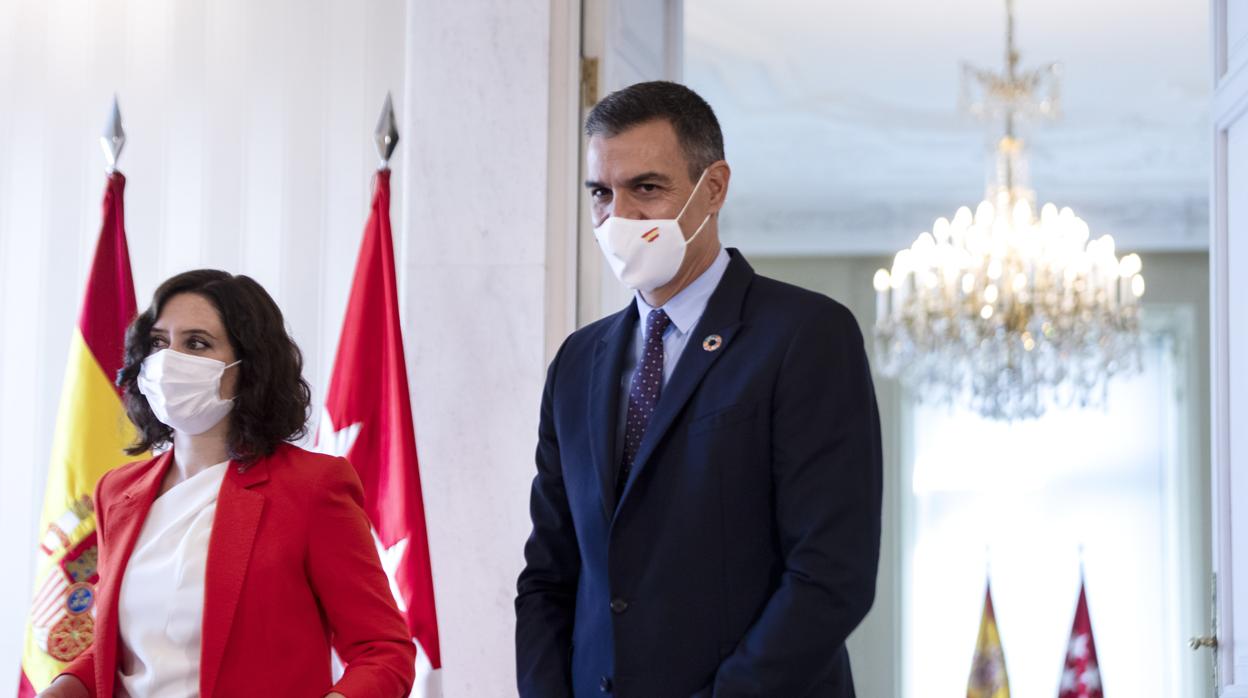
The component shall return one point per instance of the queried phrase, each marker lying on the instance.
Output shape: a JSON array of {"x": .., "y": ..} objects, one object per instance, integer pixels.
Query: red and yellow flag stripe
[{"x": 91, "y": 432}]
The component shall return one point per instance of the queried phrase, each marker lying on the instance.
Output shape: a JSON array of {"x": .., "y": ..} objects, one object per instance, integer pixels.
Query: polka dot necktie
[{"x": 643, "y": 392}]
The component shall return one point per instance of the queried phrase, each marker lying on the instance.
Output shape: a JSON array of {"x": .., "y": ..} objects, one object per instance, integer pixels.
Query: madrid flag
[
  {"x": 1081, "y": 674},
  {"x": 368, "y": 419},
  {"x": 91, "y": 434}
]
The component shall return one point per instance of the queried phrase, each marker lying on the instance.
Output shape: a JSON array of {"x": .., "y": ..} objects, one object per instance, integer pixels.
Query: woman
[{"x": 230, "y": 564}]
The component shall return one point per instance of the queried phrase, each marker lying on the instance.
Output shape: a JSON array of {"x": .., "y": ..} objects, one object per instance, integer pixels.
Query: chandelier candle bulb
[
  {"x": 900, "y": 297},
  {"x": 882, "y": 284},
  {"x": 1112, "y": 276},
  {"x": 1130, "y": 265}
]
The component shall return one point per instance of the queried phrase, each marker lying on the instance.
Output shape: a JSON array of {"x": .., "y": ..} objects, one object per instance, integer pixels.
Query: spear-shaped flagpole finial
[
  {"x": 114, "y": 137},
  {"x": 387, "y": 134}
]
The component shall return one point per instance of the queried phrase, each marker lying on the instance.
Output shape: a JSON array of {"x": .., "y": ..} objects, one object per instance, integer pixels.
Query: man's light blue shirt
[{"x": 685, "y": 310}]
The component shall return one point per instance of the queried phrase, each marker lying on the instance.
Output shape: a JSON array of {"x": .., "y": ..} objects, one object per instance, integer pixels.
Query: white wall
[{"x": 250, "y": 149}]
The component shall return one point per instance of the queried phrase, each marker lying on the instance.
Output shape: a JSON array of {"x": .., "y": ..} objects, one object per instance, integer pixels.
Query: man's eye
[
  {"x": 599, "y": 193},
  {"x": 648, "y": 188}
]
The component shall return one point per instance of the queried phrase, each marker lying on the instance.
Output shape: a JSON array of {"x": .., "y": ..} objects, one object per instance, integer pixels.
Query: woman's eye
[
  {"x": 158, "y": 342},
  {"x": 197, "y": 344}
]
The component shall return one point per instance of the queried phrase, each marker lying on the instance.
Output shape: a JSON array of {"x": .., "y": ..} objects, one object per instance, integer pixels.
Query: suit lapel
[
  {"x": 229, "y": 550},
  {"x": 722, "y": 317},
  {"x": 124, "y": 518},
  {"x": 604, "y": 401}
]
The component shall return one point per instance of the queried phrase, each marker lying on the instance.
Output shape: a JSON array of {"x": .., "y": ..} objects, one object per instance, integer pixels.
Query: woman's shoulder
[
  {"x": 304, "y": 465},
  {"x": 123, "y": 476}
]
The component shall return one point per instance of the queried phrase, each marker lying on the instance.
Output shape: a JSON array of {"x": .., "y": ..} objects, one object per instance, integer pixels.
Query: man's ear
[{"x": 716, "y": 185}]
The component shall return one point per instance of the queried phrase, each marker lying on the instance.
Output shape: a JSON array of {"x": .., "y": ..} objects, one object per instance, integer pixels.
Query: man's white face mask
[
  {"x": 646, "y": 254},
  {"x": 184, "y": 391}
]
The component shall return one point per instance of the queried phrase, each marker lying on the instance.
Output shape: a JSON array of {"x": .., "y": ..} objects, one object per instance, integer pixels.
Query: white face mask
[
  {"x": 646, "y": 254},
  {"x": 184, "y": 391}
]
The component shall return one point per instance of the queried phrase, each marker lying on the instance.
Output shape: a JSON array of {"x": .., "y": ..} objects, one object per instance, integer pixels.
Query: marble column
[{"x": 474, "y": 264}]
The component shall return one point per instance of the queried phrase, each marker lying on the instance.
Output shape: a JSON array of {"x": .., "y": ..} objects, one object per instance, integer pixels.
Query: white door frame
[
  {"x": 1229, "y": 327},
  {"x": 563, "y": 187},
  {"x": 619, "y": 34}
]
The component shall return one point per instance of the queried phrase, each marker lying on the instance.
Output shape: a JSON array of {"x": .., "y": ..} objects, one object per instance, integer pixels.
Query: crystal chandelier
[{"x": 1003, "y": 310}]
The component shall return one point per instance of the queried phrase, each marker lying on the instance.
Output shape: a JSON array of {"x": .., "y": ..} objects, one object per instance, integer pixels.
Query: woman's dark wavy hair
[{"x": 273, "y": 398}]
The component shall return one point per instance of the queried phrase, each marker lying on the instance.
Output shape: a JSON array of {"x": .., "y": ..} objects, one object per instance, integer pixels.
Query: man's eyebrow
[{"x": 656, "y": 177}]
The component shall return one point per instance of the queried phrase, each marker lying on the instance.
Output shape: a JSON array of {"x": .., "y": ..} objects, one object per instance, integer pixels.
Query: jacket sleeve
[
  {"x": 83, "y": 666},
  {"x": 546, "y": 598},
  {"x": 370, "y": 634},
  {"x": 827, "y": 475}
]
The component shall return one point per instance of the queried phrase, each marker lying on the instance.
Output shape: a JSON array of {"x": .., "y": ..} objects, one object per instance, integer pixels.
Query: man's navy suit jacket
[{"x": 744, "y": 547}]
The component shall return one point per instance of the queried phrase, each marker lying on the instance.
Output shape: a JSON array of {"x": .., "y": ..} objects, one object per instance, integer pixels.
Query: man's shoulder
[
  {"x": 581, "y": 344},
  {"x": 598, "y": 329},
  {"x": 793, "y": 305}
]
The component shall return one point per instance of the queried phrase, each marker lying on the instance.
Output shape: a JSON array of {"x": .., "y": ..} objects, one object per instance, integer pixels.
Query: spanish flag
[
  {"x": 91, "y": 432},
  {"x": 988, "y": 677}
]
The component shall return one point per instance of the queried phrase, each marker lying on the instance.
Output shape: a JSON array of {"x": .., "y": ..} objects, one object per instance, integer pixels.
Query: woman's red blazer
[{"x": 292, "y": 571}]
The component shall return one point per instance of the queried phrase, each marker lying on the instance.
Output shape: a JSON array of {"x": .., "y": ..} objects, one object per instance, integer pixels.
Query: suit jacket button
[
  {"x": 605, "y": 684},
  {"x": 619, "y": 606}
]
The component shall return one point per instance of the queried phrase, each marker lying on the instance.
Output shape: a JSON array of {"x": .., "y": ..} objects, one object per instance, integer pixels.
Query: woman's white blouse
[{"x": 161, "y": 603}]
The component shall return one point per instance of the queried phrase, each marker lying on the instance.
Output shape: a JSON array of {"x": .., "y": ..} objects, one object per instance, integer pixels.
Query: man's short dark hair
[
  {"x": 697, "y": 129},
  {"x": 273, "y": 398}
]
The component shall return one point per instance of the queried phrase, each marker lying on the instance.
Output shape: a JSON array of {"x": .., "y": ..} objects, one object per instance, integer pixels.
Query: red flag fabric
[
  {"x": 368, "y": 419},
  {"x": 1081, "y": 675}
]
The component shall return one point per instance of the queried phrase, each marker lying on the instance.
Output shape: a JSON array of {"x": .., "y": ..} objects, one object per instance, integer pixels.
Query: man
[{"x": 706, "y": 510}]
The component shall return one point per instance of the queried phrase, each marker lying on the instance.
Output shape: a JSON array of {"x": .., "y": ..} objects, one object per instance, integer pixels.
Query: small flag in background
[
  {"x": 1081, "y": 675},
  {"x": 368, "y": 419},
  {"x": 91, "y": 432},
  {"x": 988, "y": 676}
]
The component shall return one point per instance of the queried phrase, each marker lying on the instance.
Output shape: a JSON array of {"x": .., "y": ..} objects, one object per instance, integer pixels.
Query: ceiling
[{"x": 842, "y": 124}]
